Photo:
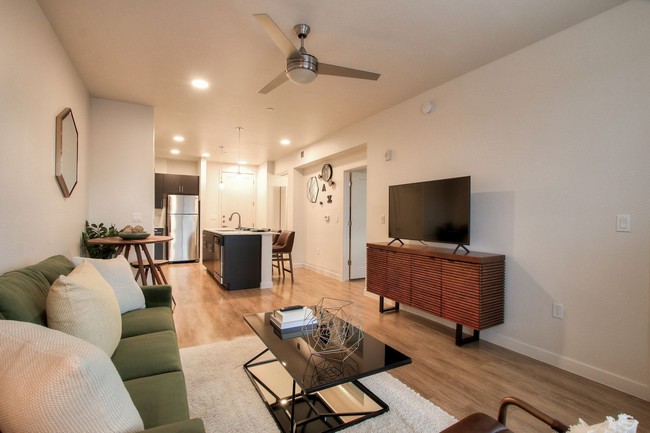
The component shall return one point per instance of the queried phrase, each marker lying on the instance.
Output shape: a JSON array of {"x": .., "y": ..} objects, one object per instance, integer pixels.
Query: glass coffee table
[{"x": 311, "y": 393}]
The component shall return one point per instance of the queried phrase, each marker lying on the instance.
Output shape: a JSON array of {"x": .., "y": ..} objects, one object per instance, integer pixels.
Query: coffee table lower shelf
[{"x": 327, "y": 410}]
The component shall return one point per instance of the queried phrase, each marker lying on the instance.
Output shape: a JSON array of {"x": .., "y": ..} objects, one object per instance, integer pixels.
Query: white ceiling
[{"x": 148, "y": 51}]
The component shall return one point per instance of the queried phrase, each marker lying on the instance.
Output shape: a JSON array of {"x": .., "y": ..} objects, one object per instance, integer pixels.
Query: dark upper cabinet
[
  {"x": 189, "y": 185},
  {"x": 159, "y": 190},
  {"x": 166, "y": 184}
]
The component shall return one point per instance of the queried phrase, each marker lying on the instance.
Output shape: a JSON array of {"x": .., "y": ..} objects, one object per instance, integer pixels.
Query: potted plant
[{"x": 94, "y": 231}]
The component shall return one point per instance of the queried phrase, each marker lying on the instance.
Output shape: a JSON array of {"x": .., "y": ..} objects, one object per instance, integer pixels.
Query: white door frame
[{"x": 346, "y": 220}]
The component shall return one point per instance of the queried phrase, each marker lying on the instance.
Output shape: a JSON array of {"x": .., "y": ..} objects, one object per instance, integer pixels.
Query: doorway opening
[{"x": 354, "y": 237}]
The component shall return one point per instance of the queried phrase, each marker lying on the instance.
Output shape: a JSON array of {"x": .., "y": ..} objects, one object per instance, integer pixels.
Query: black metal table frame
[{"x": 300, "y": 425}]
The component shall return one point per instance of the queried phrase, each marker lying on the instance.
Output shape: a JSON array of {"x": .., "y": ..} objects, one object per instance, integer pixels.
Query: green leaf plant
[{"x": 94, "y": 231}]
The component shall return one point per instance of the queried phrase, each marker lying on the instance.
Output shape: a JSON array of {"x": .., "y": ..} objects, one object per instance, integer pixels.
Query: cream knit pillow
[
  {"x": 83, "y": 304},
  {"x": 52, "y": 382}
]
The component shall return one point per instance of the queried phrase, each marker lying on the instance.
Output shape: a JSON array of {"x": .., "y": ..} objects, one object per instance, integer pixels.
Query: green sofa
[{"x": 147, "y": 357}]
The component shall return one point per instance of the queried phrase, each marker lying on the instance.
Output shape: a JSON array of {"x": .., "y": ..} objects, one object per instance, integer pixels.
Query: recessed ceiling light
[
  {"x": 242, "y": 162},
  {"x": 179, "y": 138},
  {"x": 285, "y": 141},
  {"x": 205, "y": 155},
  {"x": 200, "y": 84},
  {"x": 175, "y": 151}
]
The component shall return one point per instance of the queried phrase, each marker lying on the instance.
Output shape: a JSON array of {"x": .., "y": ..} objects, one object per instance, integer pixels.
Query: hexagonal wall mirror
[
  {"x": 312, "y": 189},
  {"x": 67, "y": 149}
]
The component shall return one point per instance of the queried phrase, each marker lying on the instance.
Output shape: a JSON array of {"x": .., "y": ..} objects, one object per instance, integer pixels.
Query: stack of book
[{"x": 294, "y": 319}]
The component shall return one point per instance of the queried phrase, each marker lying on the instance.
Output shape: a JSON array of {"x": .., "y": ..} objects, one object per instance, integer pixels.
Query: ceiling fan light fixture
[{"x": 302, "y": 70}]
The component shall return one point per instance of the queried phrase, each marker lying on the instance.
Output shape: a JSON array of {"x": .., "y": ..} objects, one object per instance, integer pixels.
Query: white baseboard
[
  {"x": 325, "y": 272},
  {"x": 571, "y": 365}
]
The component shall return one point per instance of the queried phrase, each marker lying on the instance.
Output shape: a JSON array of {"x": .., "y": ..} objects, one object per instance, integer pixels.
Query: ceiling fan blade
[
  {"x": 279, "y": 79},
  {"x": 340, "y": 71},
  {"x": 276, "y": 35}
]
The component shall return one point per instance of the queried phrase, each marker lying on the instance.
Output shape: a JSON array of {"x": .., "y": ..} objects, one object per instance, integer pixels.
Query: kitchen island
[{"x": 239, "y": 259}]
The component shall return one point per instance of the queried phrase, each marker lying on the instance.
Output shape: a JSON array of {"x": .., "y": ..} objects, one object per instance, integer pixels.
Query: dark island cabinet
[{"x": 466, "y": 288}]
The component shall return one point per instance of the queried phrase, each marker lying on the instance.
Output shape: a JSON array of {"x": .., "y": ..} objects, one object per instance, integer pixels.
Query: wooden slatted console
[{"x": 465, "y": 288}]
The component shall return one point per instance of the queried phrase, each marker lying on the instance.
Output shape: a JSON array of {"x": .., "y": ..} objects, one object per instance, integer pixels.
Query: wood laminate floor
[{"x": 460, "y": 380}]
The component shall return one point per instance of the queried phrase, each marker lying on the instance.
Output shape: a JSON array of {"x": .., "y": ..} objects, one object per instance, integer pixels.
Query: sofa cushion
[
  {"x": 52, "y": 267},
  {"x": 158, "y": 295},
  {"x": 84, "y": 305},
  {"x": 118, "y": 273},
  {"x": 194, "y": 425},
  {"x": 22, "y": 296},
  {"x": 54, "y": 382},
  {"x": 146, "y": 355},
  {"x": 160, "y": 399},
  {"x": 151, "y": 319},
  {"x": 23, "y": 291}
]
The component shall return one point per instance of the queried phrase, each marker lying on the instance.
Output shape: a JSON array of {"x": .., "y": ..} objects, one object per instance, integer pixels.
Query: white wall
[
  {"x": 555, "y": 137},
  {"x": 122, "y": 163},
  {"x": 262, "y": 196},
  {"x": 37, "y": 80},
  {"x": 174, "y": 166},
  {"x": 323, "y": 227}
]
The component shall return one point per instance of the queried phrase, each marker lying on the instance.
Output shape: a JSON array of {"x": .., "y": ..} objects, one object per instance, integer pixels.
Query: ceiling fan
[{"x": 302, "y": 67}]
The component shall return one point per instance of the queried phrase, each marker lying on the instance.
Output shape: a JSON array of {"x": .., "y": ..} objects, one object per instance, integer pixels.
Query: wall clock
[{"x": 326, "y": 172}]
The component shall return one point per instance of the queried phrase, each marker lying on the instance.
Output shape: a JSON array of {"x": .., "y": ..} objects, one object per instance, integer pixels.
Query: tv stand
[
  {"x": 466, "y": 289},
  {"x": 396, "y": 239},
  {"x": 459, "y": 246}
]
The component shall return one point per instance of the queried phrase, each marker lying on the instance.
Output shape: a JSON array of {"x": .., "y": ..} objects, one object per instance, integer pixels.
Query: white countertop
[{"x": 225, "y": 231}]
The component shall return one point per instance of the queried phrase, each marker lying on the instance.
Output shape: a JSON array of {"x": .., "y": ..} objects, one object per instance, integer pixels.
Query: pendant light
[
  {"x": 221, "y": 184},
  {"x": 239, "y": 128}
]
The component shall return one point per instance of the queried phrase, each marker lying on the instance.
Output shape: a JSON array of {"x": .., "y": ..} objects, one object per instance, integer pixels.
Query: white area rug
[{"x": 220, "y": 392}]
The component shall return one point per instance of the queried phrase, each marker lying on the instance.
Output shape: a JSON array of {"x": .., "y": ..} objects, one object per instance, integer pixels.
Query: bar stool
[
  {"x": 282, "y": 252},
  {"x": 158, "y": 265}
]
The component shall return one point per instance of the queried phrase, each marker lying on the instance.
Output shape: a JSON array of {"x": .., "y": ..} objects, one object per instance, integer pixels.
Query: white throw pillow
[
  {"x": 119, "y": 275},
  {"x": 53, "y": 382},
  {"x": 624, "y": 424},
  {"x": 83, "y": 304}
]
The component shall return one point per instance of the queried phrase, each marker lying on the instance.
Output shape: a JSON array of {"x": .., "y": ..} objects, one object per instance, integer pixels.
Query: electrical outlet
[
  {"x": 136, "y": 217},
  {"x": 558, "y": 310}
]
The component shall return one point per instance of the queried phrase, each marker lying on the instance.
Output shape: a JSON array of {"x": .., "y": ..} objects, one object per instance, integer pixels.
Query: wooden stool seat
[{"x": 158, "y": 264}]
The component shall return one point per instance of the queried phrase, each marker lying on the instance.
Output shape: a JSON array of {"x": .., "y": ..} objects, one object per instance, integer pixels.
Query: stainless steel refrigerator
[{"x": 183, "y": 226}]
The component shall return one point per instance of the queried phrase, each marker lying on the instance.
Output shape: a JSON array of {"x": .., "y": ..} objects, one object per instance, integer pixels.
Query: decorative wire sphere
[
  {"x": 338, "y": 329},
  {"x": 325, "y": 368}
]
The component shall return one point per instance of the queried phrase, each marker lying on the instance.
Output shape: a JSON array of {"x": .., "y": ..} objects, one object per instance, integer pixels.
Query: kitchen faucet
[{"x": 230, "y": 219}]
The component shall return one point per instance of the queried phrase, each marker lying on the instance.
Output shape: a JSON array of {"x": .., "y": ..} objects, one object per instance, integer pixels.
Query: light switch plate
[{"x": 623, "y": 223}]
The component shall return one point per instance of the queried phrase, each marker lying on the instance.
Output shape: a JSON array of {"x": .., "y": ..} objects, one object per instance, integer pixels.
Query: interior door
[
  {"x": 238, "y": 195},
  {"x": 358, "y": 180}
]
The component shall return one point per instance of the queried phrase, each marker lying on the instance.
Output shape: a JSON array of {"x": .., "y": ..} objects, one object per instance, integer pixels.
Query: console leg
[
  {"x": 386, "y": 310},
  {"x": 460, "y": 340}
]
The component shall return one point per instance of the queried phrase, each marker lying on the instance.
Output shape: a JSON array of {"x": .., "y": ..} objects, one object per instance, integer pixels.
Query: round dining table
[{"x": 123, "y": 246}]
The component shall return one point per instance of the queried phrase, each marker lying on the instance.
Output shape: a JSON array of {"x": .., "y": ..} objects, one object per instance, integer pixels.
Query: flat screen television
[{"x": 433, "y": 211}]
